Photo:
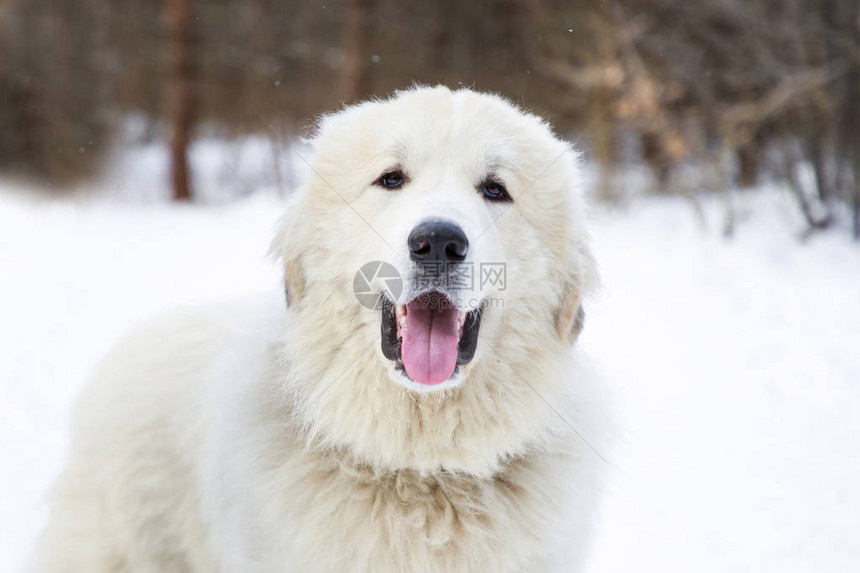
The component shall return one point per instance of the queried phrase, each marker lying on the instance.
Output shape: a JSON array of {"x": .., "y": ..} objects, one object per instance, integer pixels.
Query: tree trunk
[
  {"x": 813, "y": 222},
  {"x": 855, "y": 169},
  {"x": 816, "y": 154},
  {"x": 855, "y": 140},
  {"x": 748, "y": 163},
  {"x": 603, "y": 145},
  {"x": 178, "y": 94},
  {"x": 656, "y": 157},
  {"x": 856, "y": 201},
  {"x": 355, "y": 73}
]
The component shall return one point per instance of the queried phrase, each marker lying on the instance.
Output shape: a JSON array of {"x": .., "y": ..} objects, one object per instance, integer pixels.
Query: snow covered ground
[
  {"x": 736, "y": 368},
  {"x": 735, "y": 364}
]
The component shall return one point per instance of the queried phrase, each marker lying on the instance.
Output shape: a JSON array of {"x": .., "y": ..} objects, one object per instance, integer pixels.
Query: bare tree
[
  {"x": 355, "y": 73},
  {"x": 854, "y": 112},
  {"x": 178, "y": 94},
  {"x": 731, "y": 85}
]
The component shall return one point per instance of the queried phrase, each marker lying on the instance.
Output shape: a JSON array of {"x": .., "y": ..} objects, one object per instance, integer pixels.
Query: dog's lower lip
[
  {"x": 393, "y": 316},
  {"x": 390, "y": 340}
]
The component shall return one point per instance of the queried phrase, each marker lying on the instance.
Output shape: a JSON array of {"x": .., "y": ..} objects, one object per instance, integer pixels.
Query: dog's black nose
[{"x": 436, "y": 240}]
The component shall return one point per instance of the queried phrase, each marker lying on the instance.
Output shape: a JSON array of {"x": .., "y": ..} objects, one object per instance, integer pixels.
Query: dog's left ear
[
  {"x": 571, "y": 317},
  {"x": 580, "y": 279},
  {"x": 577, "y": 270}
]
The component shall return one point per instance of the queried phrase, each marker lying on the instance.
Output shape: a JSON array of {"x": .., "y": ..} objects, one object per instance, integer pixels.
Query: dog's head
[{"x": 437, "y": 244}]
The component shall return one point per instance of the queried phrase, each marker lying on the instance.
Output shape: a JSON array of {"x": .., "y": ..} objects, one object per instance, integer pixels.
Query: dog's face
[
  {"x": 435, "y": 261},
  {"x": 437, "y": 243},
  {"x": 450, "y": 215}
]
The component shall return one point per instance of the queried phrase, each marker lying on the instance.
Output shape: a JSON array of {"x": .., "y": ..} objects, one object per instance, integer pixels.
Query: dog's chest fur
[{"x": 348, "y": 517}]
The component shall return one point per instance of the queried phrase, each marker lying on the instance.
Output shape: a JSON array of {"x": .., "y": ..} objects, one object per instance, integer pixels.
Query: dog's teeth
[
  {"x": 400, "y": 310},
  {"x": 462, "y": 318}
]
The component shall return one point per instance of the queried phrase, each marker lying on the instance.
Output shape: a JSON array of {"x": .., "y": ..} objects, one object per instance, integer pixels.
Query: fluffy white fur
[{"x": 264, "y": 437}]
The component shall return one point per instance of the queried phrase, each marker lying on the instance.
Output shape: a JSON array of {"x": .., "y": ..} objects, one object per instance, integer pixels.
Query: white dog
[{"x": 411, "y": 409}]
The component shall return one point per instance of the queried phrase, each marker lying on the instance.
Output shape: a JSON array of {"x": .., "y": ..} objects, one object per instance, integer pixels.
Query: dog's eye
[
  {"x": 391, "y": 180},
  {"x": 495, "y": 191}
]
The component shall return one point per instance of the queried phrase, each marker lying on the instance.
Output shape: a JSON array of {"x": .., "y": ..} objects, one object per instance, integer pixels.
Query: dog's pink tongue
[{"x": 430, "y": 339}]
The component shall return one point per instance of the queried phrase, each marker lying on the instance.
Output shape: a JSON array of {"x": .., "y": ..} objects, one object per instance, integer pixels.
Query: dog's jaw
[
  {"x": 449, "y": 371},
  {"x": 398, "y": 375}
]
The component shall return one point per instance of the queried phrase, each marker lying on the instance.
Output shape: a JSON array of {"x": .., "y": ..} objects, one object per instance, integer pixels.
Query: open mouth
[{"x": 429, "y": 337}]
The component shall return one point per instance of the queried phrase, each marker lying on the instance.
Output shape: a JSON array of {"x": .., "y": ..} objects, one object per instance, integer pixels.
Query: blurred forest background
[{"x": 707, "y": 95}]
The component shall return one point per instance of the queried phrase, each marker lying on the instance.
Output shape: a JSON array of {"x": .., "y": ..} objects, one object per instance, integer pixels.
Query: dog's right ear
[{"x": 284, "y": 248}]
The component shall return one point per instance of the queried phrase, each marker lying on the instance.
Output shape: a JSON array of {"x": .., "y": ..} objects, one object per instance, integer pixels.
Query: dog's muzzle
[{"x": 430, "y": 336}]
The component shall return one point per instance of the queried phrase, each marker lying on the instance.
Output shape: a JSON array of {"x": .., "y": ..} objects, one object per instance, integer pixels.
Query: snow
[
  {"x": 223, "y": 167},
  {"x": 734, "y": 363},
  {"x": 736, "y": 369}
]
